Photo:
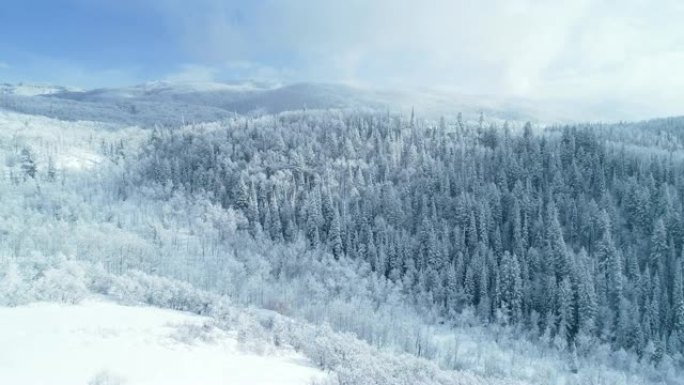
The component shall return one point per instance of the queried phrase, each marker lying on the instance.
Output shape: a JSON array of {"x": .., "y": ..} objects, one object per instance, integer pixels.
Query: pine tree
[
  {"x": 484, "y": 302},
  {"x": 556, "y": 244},
  {"x": 242, "y": 194},
  {"x": 586, "y": 295},
  {"x": 28, "y": 165},
  {"x": 314, "y": 219},
  {"x": 327, "y": 211},
  {"x": 511, "y": 288},
  {"x": 274, "y": 225},
  {"x": 659, "y": 247},
  {"x": 334, "y": 235},
  {"x": 610, "y": 263},
  {"x": 517, "y": 236},
  {"x": 453, "y": 292},
  {"x": 472, "y": 237},
  {"x": 678, "y": 301},
  {"x": 312, "y": 233},
  {"x": 566, "y": 326},
  {"x": 253, "y": 212}
]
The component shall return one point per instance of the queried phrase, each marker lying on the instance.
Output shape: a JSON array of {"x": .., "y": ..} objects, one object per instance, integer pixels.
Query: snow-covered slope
[
  {"x": 70, "y": 145},
  {"x": 98, "y": 342}
]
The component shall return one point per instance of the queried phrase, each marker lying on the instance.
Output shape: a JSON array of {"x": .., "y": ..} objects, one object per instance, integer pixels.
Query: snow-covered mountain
[
  {"x": 244, "y": 98},
  {"x": 177, "y": 102}
]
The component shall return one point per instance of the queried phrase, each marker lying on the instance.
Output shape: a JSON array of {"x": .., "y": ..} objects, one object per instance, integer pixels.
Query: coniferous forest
[{"x": 563, "y": 232}]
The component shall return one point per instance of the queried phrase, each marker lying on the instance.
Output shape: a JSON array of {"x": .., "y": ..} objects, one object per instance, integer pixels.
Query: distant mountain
[
  {"x": 30, "y": 89},
  {"x": 175, "y": 102},
  {"x": 239, "y": 98}
]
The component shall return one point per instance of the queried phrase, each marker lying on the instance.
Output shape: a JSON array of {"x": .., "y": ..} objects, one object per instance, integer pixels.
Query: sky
[{"x": 629, "y": 51}]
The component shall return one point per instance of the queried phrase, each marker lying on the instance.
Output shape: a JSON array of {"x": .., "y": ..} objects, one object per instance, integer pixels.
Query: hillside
[
  {"x": 384, "y": 249},
  {"x": 92, "y": 343}
]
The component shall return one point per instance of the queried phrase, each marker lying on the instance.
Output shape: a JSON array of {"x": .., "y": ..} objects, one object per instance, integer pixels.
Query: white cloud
[{"x": 564, "y": 49}]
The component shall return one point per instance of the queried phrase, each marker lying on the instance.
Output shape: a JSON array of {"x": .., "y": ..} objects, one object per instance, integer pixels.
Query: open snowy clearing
[
  {"x": 71, "y": 145},
  {"x": 98, "y": 342}
]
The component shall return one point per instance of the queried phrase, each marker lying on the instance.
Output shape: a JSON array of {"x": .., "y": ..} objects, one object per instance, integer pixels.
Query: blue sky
[
  {"x": 108, "y": 42},
  {"x": 84, "y": 42},
  {"x": 630, "y": 50}
]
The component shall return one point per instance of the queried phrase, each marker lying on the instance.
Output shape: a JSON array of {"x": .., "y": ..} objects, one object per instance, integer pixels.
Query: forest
[
  {"x": 453, "y": 248},
  {"x": 571, "y": 238}
]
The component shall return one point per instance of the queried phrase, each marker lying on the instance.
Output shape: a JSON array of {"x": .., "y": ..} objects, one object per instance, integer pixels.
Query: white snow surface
[{"x": 99, "y": 342}]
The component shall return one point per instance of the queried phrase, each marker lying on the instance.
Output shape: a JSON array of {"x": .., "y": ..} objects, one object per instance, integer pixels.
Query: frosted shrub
[
  {"x": 64, "y": 283},
  {"x": 12, "y": 286}
]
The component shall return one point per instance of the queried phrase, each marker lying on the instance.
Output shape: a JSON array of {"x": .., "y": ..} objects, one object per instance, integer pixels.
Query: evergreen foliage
[{"x": 559, "y": 232}]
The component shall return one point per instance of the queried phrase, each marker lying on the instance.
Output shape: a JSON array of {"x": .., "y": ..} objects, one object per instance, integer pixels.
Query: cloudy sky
[{"x": 630, "y": 51}]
